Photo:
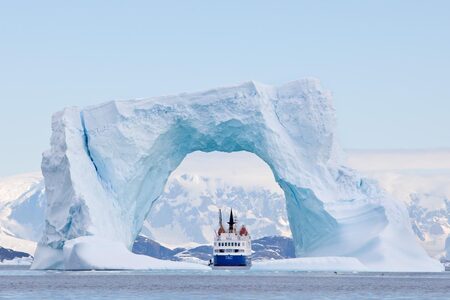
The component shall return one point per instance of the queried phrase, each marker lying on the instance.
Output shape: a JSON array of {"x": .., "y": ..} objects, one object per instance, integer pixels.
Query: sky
[{"x": 387, "y": 63}]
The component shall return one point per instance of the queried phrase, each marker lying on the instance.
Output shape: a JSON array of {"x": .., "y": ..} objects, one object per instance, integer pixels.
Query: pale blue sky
[{"x": 386, "y": 62}]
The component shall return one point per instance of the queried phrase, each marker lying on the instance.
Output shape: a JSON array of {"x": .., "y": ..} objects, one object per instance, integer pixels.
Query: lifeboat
[{"x": 243, "y": 231}]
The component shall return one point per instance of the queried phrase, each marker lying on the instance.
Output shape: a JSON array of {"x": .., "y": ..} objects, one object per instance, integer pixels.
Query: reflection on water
[{"x": 24, "y": 284}]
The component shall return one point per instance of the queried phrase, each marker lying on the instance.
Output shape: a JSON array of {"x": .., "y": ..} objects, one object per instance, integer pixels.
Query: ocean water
[{"x": 25, "y": 284}]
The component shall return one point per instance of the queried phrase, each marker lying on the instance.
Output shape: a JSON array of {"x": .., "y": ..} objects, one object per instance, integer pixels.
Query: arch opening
[{"x": 186, "y": 212}]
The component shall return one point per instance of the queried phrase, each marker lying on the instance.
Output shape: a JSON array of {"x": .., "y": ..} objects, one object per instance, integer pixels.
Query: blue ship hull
[{"x": 232, "y": 261}]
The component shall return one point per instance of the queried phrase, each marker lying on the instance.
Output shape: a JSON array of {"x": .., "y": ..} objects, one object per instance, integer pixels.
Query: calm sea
[{"x": 25, "y": 284}]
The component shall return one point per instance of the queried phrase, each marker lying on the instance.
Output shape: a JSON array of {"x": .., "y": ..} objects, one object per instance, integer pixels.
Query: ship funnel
[{"x": 231, "y": 222}]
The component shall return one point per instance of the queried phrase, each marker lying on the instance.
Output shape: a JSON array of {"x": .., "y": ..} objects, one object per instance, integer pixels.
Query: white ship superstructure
[{"x": 232, "y": 248}]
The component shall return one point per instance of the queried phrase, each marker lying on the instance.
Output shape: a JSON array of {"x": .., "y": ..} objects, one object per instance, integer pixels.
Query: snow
[
  {"x": 338, "y": 264},
  {"x": 406, "y": 172},
  {"x": 200, "y": 197},
  {"x": 18, "y": 261},
  {"x": 419, "y": 178},
  {"x": 21, "y": 211},
  {"x": 17, "y": 244},
  {"x": 85, "y": 253},
  {"x": 13, "y": 187},
  {"x": 108, "y": 164},
  {"x": 258, "y": 196}
]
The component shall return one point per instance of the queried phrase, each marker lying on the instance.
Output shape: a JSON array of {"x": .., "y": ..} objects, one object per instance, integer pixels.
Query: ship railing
[{"x": 231, "y": 238}]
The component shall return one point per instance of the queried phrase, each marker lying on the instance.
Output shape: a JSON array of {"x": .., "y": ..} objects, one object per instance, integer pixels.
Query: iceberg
[
  {"x": 316, "y": 264},
  {"x": 108, "y": 164},
  {"x": 93, "y": 253}
]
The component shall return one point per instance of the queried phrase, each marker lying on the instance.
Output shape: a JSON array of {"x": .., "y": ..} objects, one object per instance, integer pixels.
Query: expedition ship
[{"x": 231, "y": 248}]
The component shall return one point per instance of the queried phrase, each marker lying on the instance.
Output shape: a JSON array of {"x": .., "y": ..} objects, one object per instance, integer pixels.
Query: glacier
[
  {"x": 22, "y": 206},
  {"x": 108, "y": 165},
  {"x": 421, "y": 180}
]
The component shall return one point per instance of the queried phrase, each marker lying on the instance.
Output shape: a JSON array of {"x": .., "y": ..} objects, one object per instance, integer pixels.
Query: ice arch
[{"x": 108, "y": 163}]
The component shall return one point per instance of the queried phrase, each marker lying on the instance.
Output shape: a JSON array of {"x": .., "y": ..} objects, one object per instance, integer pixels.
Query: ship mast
[{"x": 221, "y": 230}]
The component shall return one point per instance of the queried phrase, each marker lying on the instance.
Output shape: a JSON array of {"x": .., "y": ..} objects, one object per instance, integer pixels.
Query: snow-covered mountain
[
  {"x": 266, "y": 214},
  {"x": 186, "y": 213},
  {"x": 22, "y": 204},
  {"x": 420, "y": 179},
  {"x": 430, "y": 215},
  {"x": 188, "y": 210},
  {"x": 271, "y": 247},
  {"x": 9, "y": 256}
]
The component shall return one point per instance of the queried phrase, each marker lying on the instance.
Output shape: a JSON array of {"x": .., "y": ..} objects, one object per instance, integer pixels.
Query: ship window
[{"x": 239, "y": 244}]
